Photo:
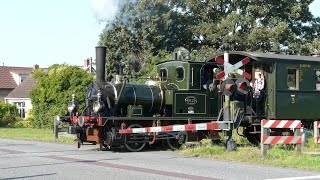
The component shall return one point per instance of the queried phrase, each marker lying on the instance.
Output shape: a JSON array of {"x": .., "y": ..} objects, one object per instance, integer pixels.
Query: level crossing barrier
[
  {"x": 267, "y": 140},
  {"x": 185, "y": 127},
  {"x": 316, "y": 135}
]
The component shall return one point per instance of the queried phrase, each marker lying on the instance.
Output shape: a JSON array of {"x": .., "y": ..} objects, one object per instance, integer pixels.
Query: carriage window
[
  {"x": 179, "y": 74},
  {"x": 163, "y": 74},
  {"x": 292, "y": 79},
  {"x": 317, "y": 77}
]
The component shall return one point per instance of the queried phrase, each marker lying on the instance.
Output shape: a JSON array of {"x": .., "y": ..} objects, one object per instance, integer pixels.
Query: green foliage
[
  {"x": 53, "y": 91},
  {"x": 22, "y": 124},
  {"x": 8, "y": 113},
  {"x": 145, "y": 29},
  {"x": 9, "y": 120}
]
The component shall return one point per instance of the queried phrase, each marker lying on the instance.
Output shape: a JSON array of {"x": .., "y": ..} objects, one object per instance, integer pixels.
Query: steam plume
[{"x": 105, "y": 10}]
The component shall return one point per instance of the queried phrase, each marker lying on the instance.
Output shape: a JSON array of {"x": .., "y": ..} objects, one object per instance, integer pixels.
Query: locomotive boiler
[{"x": 187, "y": 101}]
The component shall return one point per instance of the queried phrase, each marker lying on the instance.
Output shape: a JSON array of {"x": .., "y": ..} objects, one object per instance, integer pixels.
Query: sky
[{"x": 47, "y": 32}]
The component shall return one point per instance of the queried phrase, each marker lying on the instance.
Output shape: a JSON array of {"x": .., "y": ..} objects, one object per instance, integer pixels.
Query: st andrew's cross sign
[{"x": 228, "y": 68}]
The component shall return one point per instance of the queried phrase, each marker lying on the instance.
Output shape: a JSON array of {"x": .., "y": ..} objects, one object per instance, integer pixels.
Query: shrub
[
  {"x": 8, "y": 109},
  {"x": 22, "y": 124},
  {"x": 8, "y": 120}
]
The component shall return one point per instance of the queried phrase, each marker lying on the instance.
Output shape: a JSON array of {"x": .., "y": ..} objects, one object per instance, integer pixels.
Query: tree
[
  {"x": 252, "y": 25},
  {"x": 143, "y": 29},
  {"x": 53, "y": 91}
]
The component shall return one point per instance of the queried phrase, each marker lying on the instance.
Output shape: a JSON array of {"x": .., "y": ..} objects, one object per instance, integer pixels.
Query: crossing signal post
[{"x": 229, "y": 87}]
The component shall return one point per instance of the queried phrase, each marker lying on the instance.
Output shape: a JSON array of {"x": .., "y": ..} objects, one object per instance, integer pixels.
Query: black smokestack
[{"x": 100, "y": 63}]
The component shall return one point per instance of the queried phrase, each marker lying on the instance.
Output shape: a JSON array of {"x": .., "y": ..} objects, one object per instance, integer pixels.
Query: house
[
  {"x": 20, "y": 96},
  {"x": 15, "y": 84}
]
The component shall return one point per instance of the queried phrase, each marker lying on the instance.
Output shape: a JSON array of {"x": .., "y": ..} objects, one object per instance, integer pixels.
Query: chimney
[
  {"x": 35, "y": 67},
  {"x": 86, "y": 63},
  {"x": 100, "y": 63}
]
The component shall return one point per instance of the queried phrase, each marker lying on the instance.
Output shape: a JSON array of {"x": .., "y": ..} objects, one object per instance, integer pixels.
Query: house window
[
  {"x": 22, "y": 78},
  {"x": 21, "y": 108},
  {"x": 163, "y": 74},
  {"x": 179, "y": 73},
  {"x": 293, "y": 79},
  {"x": 317, "y": 79}
]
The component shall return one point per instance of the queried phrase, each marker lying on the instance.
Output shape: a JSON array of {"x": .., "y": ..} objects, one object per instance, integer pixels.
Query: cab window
[
  {"x": 179, "y": 73},
  {"x": 163, "y": 74}
]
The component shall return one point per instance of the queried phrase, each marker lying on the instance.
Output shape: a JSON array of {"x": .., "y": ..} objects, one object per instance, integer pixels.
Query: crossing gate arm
[{"x": 221, "y": 125}]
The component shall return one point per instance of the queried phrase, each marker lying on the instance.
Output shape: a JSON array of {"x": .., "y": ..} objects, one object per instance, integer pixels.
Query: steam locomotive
[{"x": 187, "y": 102}]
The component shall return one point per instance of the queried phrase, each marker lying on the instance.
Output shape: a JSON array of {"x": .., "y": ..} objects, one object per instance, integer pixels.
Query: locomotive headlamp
[
  {"x": 98, "y": 105},
  {"x": 72, "y": 104}
]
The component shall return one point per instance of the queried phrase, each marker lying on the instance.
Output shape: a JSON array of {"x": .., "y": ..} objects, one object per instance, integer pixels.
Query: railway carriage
[
  {"x": 187, "y": 102},
  {"x": 291, "y": 89}
]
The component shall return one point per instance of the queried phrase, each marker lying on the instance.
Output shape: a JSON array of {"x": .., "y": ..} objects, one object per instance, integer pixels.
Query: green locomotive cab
[{"x": 189, "y": 87}]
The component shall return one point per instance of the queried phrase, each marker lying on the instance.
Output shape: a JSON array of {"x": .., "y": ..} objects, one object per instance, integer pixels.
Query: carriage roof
[{"x": 259, "y": 56}]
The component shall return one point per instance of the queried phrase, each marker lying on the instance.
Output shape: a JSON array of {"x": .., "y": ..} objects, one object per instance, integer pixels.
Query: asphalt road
[{"x": 39, "y": 160}]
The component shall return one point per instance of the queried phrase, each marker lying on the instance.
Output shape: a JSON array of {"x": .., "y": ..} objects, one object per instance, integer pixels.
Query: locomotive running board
[{"x": 221, "y": 125}]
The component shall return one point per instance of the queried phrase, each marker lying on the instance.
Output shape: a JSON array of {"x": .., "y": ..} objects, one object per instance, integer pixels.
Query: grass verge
[
  {"x": 279, "y": 155},
  {"x": 33, "y": 134}
]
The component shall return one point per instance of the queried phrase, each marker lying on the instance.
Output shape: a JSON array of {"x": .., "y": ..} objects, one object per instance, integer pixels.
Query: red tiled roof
[{"x": 6, "y": 78}]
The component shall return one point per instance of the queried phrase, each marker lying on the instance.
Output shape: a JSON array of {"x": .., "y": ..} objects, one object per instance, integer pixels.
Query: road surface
[{"x": 40, "y": 160}]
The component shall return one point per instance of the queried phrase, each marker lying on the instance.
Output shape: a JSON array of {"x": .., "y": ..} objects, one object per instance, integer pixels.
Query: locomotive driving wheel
[
  {"x": 135, "y": 145},
  {"x": 178, "y": 141}
]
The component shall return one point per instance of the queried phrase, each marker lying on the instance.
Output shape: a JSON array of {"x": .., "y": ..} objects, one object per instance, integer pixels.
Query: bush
[
  {"x": 9, "y": 120},
  {"x": 8, "y": 109},
  {"x": 22, "y": 124}
]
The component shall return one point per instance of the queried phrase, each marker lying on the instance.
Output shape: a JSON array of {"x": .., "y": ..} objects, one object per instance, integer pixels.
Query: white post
[
  {"x": 226, "y": 114},
  {"x": 264, "y": 147},
  {"x": 297, "y": 132},
  {"x": 231, "y": 145},
  {"x": 316, "y": 131}
]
